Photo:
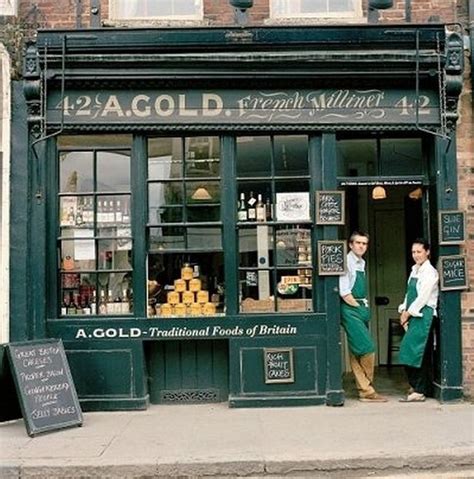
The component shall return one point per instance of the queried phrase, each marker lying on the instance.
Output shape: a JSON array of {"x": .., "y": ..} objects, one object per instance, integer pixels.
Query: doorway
[{"x": 393, "y": 223}]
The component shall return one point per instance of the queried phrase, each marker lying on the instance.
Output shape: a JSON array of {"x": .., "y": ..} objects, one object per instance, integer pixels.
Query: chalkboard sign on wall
[
  {"x": 47, "y": 395},
  {"x": 452, "y": 227},
  {"x": 331, "y": 257},
  {"x": 453, "y": 272},
  {"x": 278, "y": 364},
  {"x": 330, "y": 207}
]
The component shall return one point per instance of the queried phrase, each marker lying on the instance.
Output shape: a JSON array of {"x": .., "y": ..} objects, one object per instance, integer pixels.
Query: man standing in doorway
[{"x": 355, "y": 316}]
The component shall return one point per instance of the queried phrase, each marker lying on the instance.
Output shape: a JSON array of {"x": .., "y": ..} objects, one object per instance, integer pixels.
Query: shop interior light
[
  {"x": 201, "y": 194},
  {"x": 416, "y": 194},
  {"x": 379, "y": 193}
]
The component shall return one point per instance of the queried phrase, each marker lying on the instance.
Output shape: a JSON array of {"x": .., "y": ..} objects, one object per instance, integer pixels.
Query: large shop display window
[
  {"x": 95, "y": 241},
  {"x": 185, "y": 260},
  {"x": 274, "y": 224}
]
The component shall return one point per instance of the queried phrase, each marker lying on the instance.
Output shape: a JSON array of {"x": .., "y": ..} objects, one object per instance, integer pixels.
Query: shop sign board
[
  {"x": 452, "y": 227},
  {"x": 330, "y": 207},
  {"x": 278, "y": 364},
  {"x": 44, "y": 384},
  {"x": 197, "y": 106},
  {"x": 453, "y": 272},
  {"x": 331, "y": 257}
]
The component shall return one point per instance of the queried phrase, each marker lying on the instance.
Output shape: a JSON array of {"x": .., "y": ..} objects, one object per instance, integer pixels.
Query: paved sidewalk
[{"x": 357, "y": 440}]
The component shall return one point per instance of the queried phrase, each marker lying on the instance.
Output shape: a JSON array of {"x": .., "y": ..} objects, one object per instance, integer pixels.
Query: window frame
[
  {"x": 113, "y": 8},
  {"x": 355, "y": 14}
]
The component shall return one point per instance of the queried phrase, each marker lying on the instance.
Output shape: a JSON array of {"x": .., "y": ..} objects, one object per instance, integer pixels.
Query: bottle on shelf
[
  {"x": 100, "y": 212},
  {"x": 71, "y": 307},
  {"x": 242, "y": 210},
  {"x": 79, "y": 217},
  {"x": 93, "y": 303},
  {"x": 86, "y": 307},
  {"x": 102, "y": 303},
  {"x": 268, "y": 210},
  {"x": 64, "y": 305},
  {"x": 118, "y": 212},
  {"x": 126, "y": 213},
  {"x": 88, "y": 212},
  {"x": 110, "y": 303},
  {"x": 260, "y": 209},
  {"x": 251, "y": 211},
  {"x": 71, "y": 218},
  {"x": 118, "y": 304},
  {"x": 125, "y": 302}
]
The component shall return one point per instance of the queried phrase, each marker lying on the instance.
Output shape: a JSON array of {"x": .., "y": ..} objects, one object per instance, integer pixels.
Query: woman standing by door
[{"x": 416, "y": 317}]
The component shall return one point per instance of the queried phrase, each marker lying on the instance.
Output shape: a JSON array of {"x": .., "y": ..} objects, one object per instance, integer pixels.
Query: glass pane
[
  {"x": 77, "y": 294},
  {"x": 204, "y": 238},
  {"x": 293, "y": 296},
  {"x": 356, "y": 157},
  {"x": 293, "y": 246},
  {"x": 401, "y": 156},
  {"x": 76, "y": 171},
  {"x": 163, "y": 199},
  {"x": 202, "y": 156},
  {"x": 94, "y": 141},
  {"x": 256, "y": 292},
  {"x": 256, "y": 247},
  {"x": 254, "y": 156},
  {"x": 113, "y": 171},
  {"x": 78, "y": 255},
  {"x": 115, "y": 296},
  {"x": 203, "y": 199},
  {"x": 291, "y": 155},
  {"x": 166, "y": 238},
  {"x": 76, "y": 212},
  {"x": 165, "y": 158},
  {"x": 115, "y": 254},
  {"x": 185, "y": 284},
  {"x": 254, "y": 201},
  {"x": 113, "y": 212},
  {"x": 156, "y": 8}
]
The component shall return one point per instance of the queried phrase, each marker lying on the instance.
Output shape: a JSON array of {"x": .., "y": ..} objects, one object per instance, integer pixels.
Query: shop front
[{"x": 189, "y": 193}]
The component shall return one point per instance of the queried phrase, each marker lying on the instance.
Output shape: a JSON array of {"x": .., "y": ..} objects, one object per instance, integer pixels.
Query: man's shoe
[
  {"x": 414, "y": 397},
  {"x": 374, "y": 397}
]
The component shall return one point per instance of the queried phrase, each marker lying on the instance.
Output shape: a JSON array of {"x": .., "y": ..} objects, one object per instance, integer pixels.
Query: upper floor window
[
  {"x": 8, "y": 7},
  {"x": 315, "y": 8},
  {"x": 156, "y": 9}
]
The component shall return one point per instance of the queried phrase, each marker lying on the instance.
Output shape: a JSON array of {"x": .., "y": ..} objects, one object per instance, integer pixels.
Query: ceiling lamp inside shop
[
  {"x": 416, "y": 194},
  {"x": 379, "y": 193}
]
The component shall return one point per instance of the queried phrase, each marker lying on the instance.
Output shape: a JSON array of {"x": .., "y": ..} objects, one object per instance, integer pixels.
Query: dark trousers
[{"x": 421, "y": 379}]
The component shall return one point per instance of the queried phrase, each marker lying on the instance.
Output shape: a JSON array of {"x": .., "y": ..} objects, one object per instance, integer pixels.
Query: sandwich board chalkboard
[
  {"x": 452, "y": 227},
  {"x": 330, "y": 207},
  {"x": 331, "y": 257},
  {"x": 43, "y": 381},
  {"x": 453, "y": 272},
  {"x": 278, "y": 365}
]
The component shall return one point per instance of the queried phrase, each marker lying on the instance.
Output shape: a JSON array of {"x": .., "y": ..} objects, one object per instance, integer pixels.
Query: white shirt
[
  {"x": 427, "y": 289},
  {"x": 347, "y": 280}
]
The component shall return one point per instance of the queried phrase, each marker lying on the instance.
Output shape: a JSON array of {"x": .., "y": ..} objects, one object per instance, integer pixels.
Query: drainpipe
[{"x": 471, "y": 35}]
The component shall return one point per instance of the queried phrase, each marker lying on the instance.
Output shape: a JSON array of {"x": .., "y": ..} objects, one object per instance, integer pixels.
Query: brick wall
[{"x": 63, "y": 14}]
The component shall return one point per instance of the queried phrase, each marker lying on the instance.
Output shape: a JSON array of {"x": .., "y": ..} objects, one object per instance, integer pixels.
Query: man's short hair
[{"x": 358, "y": 233}]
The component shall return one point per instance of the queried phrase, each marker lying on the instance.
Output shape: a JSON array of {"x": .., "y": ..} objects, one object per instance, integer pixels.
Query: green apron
[
  {"x": 414, "y": 341},
  {"x": 355, "y": 320}
]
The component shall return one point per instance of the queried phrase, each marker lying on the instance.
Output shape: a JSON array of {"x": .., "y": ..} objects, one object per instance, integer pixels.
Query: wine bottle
[
  {"x": 260, "y": 209},
  {"x": 102, "y": 303},
  {"x": 110, "y": 303},
  {"x": 251, "y": 212},
  {"x": 71, "y": 219},
  {"x": 242, "y": 211},
  {"x": 118, "y": 212},
  {"x": 93, "y": 303},
  {"x": 125, "y": 303},
  {"x": 268, "y": 210}
]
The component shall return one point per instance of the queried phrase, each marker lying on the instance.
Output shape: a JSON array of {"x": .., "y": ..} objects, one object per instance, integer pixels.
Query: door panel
[{"x": 389, "y": 273}]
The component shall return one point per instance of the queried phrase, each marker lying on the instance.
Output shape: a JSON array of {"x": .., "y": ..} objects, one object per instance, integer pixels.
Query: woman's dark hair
[{"x": 423, "y": 242}]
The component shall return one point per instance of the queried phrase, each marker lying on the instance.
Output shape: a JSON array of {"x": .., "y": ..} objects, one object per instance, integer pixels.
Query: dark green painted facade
[{"x": 126, "y": 366}]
